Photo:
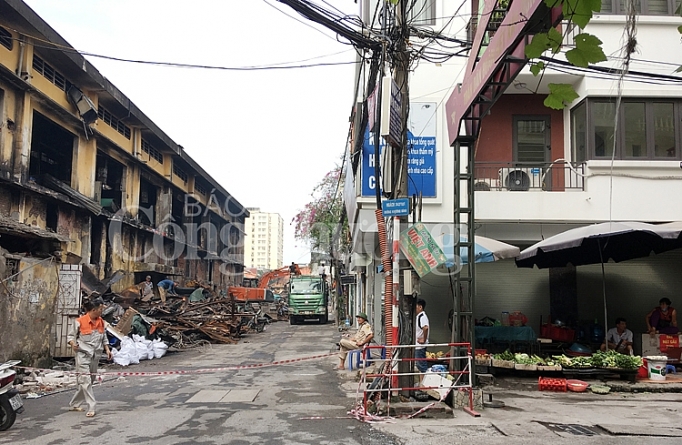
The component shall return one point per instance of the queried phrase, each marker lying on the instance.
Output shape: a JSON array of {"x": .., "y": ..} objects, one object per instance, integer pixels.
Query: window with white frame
[
  {"x": 421, "y": 12},
  {"x": 643, "y": 7},
  {"x": 648, "y": 129}
]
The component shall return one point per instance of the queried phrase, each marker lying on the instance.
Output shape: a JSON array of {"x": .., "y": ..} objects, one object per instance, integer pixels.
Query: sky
[{"x": 269, "y": 136}]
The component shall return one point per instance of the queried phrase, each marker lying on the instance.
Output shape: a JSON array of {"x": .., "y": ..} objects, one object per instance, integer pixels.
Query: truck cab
[{"x": 308, "y": 299}]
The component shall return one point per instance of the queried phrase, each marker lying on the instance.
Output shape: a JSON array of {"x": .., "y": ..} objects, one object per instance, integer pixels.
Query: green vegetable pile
[
  {"x": 524, "y": 359},
  {"x": 575, "y": 362},
  {"x": 506, "y": 355},
  {"x": 609, "y": 359},
  {"x": 613, "y": 359}
]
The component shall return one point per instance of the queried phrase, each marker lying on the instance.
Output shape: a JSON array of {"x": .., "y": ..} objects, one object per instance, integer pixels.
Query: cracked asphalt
[
  {"x": 307, "y": 402},
  {"x": 155, "y": 410}
]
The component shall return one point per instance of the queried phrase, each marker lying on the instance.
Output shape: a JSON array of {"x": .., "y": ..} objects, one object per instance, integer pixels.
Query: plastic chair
[{"x": 355, "y": 359}]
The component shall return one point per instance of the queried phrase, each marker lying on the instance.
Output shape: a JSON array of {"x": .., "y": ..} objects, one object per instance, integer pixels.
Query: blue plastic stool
[{"x": 355, "y": 359}]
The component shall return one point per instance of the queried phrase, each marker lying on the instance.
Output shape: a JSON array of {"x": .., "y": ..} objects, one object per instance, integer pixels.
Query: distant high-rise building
[{"x": 264, "y": 241}]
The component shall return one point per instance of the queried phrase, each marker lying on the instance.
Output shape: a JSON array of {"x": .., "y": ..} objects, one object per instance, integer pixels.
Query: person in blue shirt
[{"x": 166, "y": 286}]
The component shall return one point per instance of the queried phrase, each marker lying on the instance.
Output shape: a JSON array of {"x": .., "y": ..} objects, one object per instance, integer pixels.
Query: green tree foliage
[
  {"x": 559, "y": 95},
  {"x": 587, "y": 49},
  {"x": 319, "y": 219}
]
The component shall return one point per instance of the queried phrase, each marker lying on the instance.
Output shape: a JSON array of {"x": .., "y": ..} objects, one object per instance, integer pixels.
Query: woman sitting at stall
[{"x": 663, "y": 319}]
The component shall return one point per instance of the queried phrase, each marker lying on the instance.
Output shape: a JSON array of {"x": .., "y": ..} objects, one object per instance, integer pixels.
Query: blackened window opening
[
  {"x": 6, "y": 39},
  {"x": 51, "y": 150},
  {"x": 51, "y": 215},
  {"x": 148, "y": 199},
  {"x": 110, "y": 174},
  {"x": 177, "y": 214}
]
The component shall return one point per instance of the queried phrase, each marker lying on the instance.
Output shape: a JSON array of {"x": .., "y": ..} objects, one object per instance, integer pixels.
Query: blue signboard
[
  {"x": 421, "y": 154},
  {"x": 395, "y": 207}
]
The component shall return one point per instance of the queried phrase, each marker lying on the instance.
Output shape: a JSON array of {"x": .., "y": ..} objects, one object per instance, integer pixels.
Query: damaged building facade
[{"x": 89, "y": 183}]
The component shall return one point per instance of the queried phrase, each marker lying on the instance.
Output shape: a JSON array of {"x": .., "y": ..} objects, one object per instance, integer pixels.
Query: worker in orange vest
[{"x": 88, "y": 339}]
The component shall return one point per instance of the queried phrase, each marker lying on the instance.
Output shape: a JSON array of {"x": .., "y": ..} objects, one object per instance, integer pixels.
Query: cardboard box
[{"x": 125, "y": 324}]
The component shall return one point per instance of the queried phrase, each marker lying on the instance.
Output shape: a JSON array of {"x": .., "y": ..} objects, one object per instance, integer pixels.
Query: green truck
[{"x": 308, "y": 298}]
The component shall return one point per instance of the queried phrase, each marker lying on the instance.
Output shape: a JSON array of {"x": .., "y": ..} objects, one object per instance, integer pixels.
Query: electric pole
[{"x": 401, "y": 77}]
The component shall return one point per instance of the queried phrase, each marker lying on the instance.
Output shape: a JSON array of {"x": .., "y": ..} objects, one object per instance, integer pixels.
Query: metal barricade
[{"x": 384, "y": 381}]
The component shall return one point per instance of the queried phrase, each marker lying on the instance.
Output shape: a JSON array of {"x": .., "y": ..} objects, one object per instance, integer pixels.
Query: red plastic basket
[
  {"x": 551, "y": 384},
  {"x": 557, "y": 333}
]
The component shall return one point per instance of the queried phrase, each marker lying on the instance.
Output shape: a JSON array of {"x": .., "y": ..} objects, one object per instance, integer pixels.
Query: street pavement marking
[
  {"x": 208, "y": 396},
  {"x": 182, "y": 392},
  {"x": 224, "y": 396},
  {"x": 240, "y": 395}
]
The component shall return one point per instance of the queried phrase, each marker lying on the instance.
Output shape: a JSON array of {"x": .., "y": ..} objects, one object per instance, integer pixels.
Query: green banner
[{"x": 421, "y": 249}]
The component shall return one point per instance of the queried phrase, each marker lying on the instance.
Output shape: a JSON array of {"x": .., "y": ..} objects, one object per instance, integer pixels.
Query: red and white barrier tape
[{"x": 186, "y": 371}]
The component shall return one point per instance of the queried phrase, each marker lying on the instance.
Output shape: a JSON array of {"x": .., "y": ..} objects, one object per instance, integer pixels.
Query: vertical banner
[{"x": 421, "y": 153}]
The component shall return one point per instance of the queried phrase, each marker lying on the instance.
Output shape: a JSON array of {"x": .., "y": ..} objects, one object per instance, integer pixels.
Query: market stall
[
  {"x": 599, "y": 364},
  {"x": 506, "y": 337}
]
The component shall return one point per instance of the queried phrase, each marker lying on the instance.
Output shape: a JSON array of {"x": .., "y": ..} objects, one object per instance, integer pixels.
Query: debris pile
[
  {"x": 184, "y": 320},
  {"x": 40, "y": 382},
  {"x": 191, "y": 315}
]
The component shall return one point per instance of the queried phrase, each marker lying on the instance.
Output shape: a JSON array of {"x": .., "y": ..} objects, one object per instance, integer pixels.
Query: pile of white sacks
[{"x": 138, "y": 348}]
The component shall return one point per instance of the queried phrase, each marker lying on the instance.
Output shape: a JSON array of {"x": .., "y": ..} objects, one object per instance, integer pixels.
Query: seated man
[
  {"x": 363, "y": 337},
  {"x": 619, "y": 338},
  {"x": 147, "y": 288}
]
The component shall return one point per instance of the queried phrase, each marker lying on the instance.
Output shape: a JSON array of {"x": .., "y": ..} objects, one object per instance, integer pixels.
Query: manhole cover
[
  {"x": 573, "y": 429},
  {"x": 493, "y": 404}
]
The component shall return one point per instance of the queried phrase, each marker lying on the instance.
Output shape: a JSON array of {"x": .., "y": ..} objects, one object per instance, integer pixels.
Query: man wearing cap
[
  {"x": 147, "y": 288},
  {"x": 362, "y": 337}
]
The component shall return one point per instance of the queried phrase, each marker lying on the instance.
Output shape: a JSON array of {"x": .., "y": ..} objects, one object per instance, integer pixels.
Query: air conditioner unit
[
  {"x": 521, "y": 178},
  {"x": 486, "y": 184}
]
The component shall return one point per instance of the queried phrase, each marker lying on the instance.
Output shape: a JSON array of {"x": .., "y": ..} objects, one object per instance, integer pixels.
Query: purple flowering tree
[{"x": 319, "y": 219}]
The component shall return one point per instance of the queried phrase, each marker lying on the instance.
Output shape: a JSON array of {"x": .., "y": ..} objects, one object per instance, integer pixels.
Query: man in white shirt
[
  {"x": 322, "y": 271},
  {"x": 422, "y": 334},
  {"x": 619, "y": 338}
]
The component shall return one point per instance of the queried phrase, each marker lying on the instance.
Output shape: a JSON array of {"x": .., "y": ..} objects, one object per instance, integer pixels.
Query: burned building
[{"x": 87, "y": 180}]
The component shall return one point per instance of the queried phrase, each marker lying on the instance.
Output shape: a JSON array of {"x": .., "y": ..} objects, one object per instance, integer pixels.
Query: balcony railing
[{"x": 557, "y": 176}]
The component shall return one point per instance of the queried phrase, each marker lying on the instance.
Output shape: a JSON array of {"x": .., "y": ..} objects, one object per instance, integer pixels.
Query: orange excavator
[{"x": 275, "y": 280}]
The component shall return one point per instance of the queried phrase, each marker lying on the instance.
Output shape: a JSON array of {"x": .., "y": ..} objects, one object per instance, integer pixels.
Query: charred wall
[{"x": 27, "y": 304}]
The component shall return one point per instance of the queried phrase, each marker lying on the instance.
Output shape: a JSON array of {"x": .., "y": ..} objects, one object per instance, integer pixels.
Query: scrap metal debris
[{"x": 183, "y": 320}]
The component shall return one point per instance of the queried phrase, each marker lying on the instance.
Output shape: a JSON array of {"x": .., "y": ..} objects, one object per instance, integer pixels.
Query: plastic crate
[
  {"x": 557, "y": 333},
  {"x": 552, "y": 384}
]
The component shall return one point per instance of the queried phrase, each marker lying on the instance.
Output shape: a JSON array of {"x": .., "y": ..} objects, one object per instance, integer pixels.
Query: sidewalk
[{"x": 637, "y": 413}]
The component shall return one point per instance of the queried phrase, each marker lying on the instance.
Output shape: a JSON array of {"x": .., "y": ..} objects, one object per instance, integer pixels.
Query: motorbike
[
  {"x": 10, "y": 400},
  {"x": 259, "y": 321}
]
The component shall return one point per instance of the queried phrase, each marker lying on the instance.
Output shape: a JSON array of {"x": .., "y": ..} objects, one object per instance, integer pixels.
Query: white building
[
  {"x": 540, "y": 171},
  {"x": 430, "y": 164},
  {"x": 264, "y": 242}
]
